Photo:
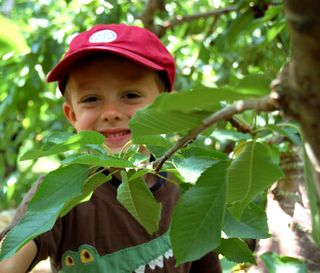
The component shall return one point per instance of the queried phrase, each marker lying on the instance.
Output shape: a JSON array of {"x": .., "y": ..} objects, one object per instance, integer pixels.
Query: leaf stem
[{"x": 166, "y": 178}]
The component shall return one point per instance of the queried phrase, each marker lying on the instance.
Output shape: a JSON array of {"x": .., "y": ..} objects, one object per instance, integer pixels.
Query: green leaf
[
  {"x": 179, "y": 112},
  {"x": 192, "y": 167},
  {"x": 255, "y": 217},
  {"x": 57, "y": 138},
  {"x": 236, "y": 250},
  {"x": 152, "y": 140},
  {"x": 290, "y": 132},
  {"x": 58, "y": 187},
  {"x": 198, "y": 216},
  {"x": 227, "y": 266},
  {"x": 278, "y": 264},
  {"x": 98, "y": 160},
  {"x": 250, "y": 173},
  {"x": 149, "y": 121},
  {"x": 275, "y": 30},
  {"x": 224, "y": 135},
  {"x": 253, "y": 224},
  {"x": 75, "y": 142},
  {"x": 136, "y": 197},
  {"x": 92, "y": 183},
  {"x": 214, "y": 154},
  {"x": 202, "y": 98}
]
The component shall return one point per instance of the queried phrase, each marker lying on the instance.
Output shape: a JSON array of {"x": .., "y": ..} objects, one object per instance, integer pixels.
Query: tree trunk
[{"x": 300, "y": 82}]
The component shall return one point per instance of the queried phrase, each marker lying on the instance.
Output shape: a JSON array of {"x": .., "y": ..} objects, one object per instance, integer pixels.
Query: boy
[{"x": 108, "y": 73}]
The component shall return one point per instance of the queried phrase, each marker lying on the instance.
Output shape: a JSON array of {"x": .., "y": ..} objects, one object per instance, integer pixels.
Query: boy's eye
[
  {"x": 89, "y": 99},
  {"x": 131, "y": 95}
]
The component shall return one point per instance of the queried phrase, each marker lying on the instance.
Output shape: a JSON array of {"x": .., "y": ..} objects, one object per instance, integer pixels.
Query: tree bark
[{"x": 300, "y": 81}]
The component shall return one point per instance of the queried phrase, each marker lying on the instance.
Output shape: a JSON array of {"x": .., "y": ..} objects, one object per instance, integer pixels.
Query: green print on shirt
[{"x": 128, "y": 260}]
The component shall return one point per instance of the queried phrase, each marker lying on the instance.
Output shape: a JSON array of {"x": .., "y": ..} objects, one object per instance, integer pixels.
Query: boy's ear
[{"x": 69, "y": 113}]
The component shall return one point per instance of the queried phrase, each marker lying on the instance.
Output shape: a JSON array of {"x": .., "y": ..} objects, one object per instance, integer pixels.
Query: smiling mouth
[{"x": 109, "y": 135}]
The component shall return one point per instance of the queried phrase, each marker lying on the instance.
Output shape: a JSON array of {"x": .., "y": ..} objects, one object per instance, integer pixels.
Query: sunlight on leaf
[{"x": 192, "y": 167}]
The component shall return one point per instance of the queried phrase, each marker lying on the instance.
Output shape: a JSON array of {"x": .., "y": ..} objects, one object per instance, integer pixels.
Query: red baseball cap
[{"x": 132, "y": 42}]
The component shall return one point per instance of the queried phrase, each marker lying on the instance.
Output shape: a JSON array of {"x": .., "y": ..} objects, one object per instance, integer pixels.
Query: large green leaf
[
  {"x": 98, "y": 160},
  {"x": 91, "y": 184},
  {"x": 149, "y": 121},
  {"x": 198, "y": 216},
  {"x": 179, "y": 112},
  {"x": 200, "y": 99},
  {"x": 224, "y": 135},
  {"x": 236, "y": 250},
  {"x": 153, "y": 140},
  {"x": 136, "y": 197},
  {"x": 250, "y": 173},
  {"x": 202, "y": 152},
  {"x": 253, "y": 224},
  {"x": 58, "y": 187},
  {"x": 75, "y": 142}
]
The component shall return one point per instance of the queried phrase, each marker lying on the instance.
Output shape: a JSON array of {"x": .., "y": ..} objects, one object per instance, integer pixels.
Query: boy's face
[{"x": 103, "y": 95}]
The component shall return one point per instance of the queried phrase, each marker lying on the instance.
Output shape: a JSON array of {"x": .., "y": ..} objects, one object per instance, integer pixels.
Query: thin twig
[
  {"x": 188, "y": 18},
  {"x": 240, "y": 126},
  {"x": 166, "y": 178},
  {"x": 266, "y": 104}
]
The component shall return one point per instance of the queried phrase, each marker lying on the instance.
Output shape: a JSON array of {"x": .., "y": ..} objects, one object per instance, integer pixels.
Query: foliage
[
  {"x": 276, "y": 263},
  {"x": 223, "y": 173}
]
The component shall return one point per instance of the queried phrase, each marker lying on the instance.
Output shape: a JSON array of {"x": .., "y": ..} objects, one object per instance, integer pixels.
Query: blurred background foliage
[{"x": 215, "y": 43}]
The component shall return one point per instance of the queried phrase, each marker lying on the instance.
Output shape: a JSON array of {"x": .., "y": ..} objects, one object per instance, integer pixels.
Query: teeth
[
  {"x": 140, "y": 269},
  {"x": 116, "y": 134},
  {"x": 157, "y": 262},
  {"x": 168, "y": 254}
]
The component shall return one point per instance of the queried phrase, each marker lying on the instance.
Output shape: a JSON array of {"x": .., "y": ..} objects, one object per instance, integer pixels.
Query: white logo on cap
[{"x": 103, "y": 36}]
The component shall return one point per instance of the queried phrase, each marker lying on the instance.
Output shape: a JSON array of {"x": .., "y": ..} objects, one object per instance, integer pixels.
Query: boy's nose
[{"x": 111, "y": 113}]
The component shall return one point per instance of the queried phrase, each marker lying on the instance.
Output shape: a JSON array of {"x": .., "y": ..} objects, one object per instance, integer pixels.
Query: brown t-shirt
[{"x": 100, "y": 236}]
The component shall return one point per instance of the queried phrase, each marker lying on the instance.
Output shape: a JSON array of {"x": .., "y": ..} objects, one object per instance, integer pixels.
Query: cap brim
[{"x": 61, "y": 70}]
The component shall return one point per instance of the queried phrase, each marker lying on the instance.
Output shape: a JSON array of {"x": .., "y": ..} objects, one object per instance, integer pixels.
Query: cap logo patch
[{"x": 103, "y": 36}]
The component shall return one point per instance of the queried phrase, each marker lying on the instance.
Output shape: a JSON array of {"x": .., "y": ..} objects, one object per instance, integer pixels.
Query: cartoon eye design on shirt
[
  {"x": 69, "y": 261},
  {"x": 86, "y": 256}
]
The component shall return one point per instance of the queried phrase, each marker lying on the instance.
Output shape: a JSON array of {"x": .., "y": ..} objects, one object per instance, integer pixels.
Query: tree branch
[
  {"x": 152, "y": 6},
  {"x": 240, "y": 126},
  {"x": 188, "y": 18},
  {"x": 147, "y": 17},
  {"x": 268, "y": 103}
]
